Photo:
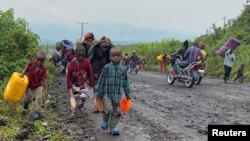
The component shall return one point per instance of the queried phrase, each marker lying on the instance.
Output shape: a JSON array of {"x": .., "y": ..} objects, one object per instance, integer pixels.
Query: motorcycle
[
  {"x": 185, "y": 76},
  {"x": 133, "y": 67},
  {"x": 198, "y": 72}
]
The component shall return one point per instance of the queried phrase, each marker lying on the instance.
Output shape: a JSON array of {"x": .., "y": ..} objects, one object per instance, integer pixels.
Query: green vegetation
[
  {"x": 18, "y": 44},
  {"x": 152, "y": 50},
  {"x": 238, "y": 28}
]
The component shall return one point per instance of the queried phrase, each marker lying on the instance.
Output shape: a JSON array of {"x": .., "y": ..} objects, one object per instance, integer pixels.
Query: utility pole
[
  {"x": 47, "y": 46},
  {"x": 82, "y": 27}
]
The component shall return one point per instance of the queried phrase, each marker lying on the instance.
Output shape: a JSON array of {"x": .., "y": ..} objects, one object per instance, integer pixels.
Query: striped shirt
[
  {"x": 193, "y": 54},
  {"x": 112, "y": 79}
]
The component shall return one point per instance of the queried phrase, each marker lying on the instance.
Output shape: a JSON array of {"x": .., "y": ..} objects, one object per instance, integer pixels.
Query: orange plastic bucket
[
  {"x": 98, "y": 102},
  {"x": 125, "y": 105}
]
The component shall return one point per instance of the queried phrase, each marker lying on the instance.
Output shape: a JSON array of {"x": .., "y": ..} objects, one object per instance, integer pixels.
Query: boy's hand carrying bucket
[{"x": 125, "y": 105}]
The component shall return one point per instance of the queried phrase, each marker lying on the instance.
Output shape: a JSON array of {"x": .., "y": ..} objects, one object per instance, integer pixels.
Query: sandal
[
  {"x": 114, "y": 131},
  {"x": 95, "y": 111},
  {"x": 104, "y": 125}
]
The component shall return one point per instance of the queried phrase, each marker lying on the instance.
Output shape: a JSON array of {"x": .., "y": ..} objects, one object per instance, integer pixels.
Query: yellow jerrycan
[
  {"x": 159, "y": 58},
  {"x": 16, "y": 87}
]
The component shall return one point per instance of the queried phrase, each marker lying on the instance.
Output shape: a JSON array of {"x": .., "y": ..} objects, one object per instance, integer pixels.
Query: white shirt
[{"x": 229, "y": 59}]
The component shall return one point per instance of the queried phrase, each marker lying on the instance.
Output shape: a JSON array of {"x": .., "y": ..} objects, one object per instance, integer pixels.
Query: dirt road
[{"x": 160, "y": 112}]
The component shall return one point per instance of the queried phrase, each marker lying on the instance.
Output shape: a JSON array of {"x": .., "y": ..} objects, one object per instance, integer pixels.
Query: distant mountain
[{"x": 119, "y": 33}]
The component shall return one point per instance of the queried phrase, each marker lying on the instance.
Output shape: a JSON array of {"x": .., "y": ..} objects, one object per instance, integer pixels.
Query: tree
[{"x": 17, "y": 42}]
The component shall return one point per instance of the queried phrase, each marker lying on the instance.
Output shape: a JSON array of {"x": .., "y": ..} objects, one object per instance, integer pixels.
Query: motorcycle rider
[
  {"x": 203, "y": 52},
  {"x": 182, "y": 51},
  {"x": 192, "y": 55},
  {"x": 179, "y": 56},
  {"x": 125, "y": 60},
  {"x": 134, "y": 59}
]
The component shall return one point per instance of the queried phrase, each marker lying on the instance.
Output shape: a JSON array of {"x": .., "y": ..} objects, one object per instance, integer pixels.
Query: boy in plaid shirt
[{"x": 112, "y": 78}]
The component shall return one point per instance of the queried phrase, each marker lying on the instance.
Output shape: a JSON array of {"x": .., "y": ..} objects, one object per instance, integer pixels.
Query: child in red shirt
[
  {"x": 37, "y": 76},
  {"x": 79, "y": 77},
  {"x": 71, "y": 55}
]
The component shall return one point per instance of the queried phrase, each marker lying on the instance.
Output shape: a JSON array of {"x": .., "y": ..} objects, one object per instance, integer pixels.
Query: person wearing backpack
[{"x": 98, "y": 56}]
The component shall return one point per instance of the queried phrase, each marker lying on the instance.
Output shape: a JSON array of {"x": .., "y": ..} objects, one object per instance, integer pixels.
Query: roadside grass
[
  {"x": 15, "y": 120},
  {"x": 214, "y": 63},
  {"x": 13, "y": 114}
]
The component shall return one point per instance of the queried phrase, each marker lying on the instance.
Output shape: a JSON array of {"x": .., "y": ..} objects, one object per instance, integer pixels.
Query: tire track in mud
[
  {"x": 153, "y": 130},
  {"x": 162, "y": 118}
]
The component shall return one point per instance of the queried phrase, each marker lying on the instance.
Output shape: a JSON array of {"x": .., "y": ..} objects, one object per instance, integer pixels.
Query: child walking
[
  {"x": 112, "y": 78},
  {"x": 240, "y": 73},
  {"x": 79, "y": 77},
  {"x": 37, "y": 76}
]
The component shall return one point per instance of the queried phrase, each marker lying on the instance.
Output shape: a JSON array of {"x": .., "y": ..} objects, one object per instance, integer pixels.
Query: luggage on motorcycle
[
  {"x": 231, "y": 43},
  {"x": 159, "y": 58}
]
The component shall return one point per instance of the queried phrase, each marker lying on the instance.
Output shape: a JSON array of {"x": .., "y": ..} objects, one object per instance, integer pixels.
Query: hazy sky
[{"x": 191, "y": 16}]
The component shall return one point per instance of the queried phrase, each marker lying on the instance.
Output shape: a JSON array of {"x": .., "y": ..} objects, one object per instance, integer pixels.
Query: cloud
[{"x": 193, "y": 16}]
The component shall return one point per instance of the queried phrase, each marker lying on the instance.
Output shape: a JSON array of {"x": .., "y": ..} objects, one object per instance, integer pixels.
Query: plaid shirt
[{"x": 112, "y": 79}]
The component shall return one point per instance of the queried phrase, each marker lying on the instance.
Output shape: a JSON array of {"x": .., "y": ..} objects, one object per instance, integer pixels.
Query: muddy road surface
[{"x": 160, "y": 112}]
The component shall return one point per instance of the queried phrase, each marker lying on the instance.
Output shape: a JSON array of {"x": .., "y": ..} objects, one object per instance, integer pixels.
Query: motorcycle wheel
[
  {"x": 197, "y": 82},
  {"x": 136, "y": 71},
  {"x": 190, "y": 82},
  {"x": 197, "y": 78},
  {"x": 170, "y": 79}
]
